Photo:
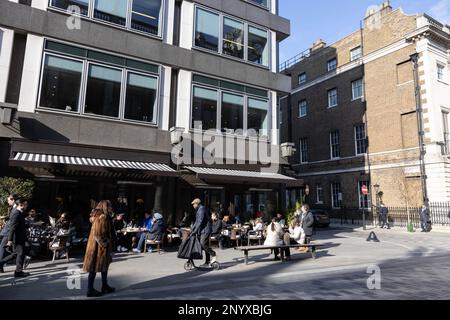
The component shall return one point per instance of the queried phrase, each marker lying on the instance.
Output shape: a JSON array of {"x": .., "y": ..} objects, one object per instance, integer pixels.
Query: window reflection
[
  {"x": 232, "y": 112},
  {"x": 233, "y": 38},
  {"x": 207, "y": 30},
  {"x": 257, "y": 46},
  {"x": 204, "y": 109}
]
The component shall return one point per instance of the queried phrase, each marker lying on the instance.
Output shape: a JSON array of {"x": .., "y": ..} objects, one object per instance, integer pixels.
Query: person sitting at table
[
  {"x": 31, "y": 218},
  {"x": 297, "y": 233},
  {"x": 258, "y": 226},
  {"x": 156, "y": 231},
  {"x": 122, "y": 239},
  {"x": 217, "y": 227},
  {"x": 274, "y": 237},
  {"x": 146, "y": 224},
  {"x": 281, "y": 220}
]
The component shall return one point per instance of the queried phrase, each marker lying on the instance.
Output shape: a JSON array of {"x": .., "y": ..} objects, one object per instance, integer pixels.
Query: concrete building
[
  {"x": 353, "y": 115},
  {"x": 89, "y": 90}
]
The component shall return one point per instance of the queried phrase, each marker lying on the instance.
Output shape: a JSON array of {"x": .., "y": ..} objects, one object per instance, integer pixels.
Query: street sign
[{"x": 365, "y": 190}]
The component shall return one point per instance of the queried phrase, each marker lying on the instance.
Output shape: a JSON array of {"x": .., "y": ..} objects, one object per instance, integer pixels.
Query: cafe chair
[
  {"x": 255, "y": 236},
  {"x": 158, "y": 243},
  {"x": 60, "y": 243},
  {"x": 214, "y": 239},
  {"x": 172, "y": 235}
]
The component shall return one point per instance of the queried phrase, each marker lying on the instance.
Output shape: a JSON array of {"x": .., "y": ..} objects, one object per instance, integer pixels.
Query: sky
[{"x": 332, "y": 20}]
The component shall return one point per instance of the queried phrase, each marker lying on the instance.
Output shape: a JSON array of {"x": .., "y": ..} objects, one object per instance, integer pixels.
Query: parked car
[{"x": 321, "y": 218}]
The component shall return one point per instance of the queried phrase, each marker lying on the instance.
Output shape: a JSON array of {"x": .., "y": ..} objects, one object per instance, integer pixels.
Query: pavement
[{"x": 407, "y": 265}]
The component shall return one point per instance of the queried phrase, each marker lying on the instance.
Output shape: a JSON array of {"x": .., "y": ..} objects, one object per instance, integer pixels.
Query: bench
[{"x": 310, "y": 246}]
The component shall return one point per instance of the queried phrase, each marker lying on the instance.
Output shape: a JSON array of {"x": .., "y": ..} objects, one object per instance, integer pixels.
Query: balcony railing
[{"x": 293, "y": 61}]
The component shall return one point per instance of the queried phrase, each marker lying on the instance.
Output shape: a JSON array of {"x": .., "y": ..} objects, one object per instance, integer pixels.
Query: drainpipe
[{"x": 420, "y": 127}]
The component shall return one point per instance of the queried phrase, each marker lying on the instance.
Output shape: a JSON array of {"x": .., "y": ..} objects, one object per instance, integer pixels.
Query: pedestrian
[
  {"x": 5, "y": 230},
  {"x": 274, "y": 237},
  {"x": 99, "y": 248},
  {"x": 202, "y": 227},
  {"x": 425, "y": 218},
  {"x": 384, "y": 214},
  {"x": 17, "y": 236},
  {"x": 306, "y": 222}
]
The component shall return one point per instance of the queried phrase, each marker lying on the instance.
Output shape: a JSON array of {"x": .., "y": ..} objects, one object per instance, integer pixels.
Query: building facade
[
  {"x": 355, "y": 119},
  {"x": 93, "y": 91}
]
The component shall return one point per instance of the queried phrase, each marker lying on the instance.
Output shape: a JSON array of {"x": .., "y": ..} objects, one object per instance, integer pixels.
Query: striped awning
[
  {"x": 239, "y": 175},
  {"x": 30, "y": 158}
]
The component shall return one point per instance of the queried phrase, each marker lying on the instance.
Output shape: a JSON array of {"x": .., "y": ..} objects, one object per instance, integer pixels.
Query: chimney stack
[
  {"x": 319, "y": 44},
  {"x": 382, "y": 10}
]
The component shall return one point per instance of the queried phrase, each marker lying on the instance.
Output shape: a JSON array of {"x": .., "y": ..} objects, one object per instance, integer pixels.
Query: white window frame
[
  {"x": 246, "y": 24},
  {"x": 303, "y": 147},
  {"x": 300, "y": 81},
  {"x": 356, "y": 138},
  {"x": 354, "y": 57},
  {"x": 330, "y": 97},
  {"x": 338, "y": 195},
  {"x": 360, "y": 195},
  {"x": 90, "y": 17},
  {"x": 441, "y": 76},
  {"x": 302, "y": 103},
  {"x": 332, "y": 66},
  {"x": 319, "y": 200},
  {"x": 332, "y": 157},
  {"x": 354, "y": 87}
]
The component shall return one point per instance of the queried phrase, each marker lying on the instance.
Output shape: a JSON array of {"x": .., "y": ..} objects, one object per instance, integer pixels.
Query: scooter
[{"x": 190, "y": 265}]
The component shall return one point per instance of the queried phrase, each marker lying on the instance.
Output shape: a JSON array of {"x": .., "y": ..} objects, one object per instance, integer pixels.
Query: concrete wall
[{"x": 6, "y": 46}]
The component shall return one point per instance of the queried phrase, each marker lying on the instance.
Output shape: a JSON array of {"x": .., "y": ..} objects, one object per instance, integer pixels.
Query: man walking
[
  {"x": 5, "y": 231},
  {"x": 17, "y": 235},
  {"x": 203, "y": 227},
  {"x": 306, "y": 221},
  {"x": 384, "y": 213},
  {"x": 424, "y": 218}
]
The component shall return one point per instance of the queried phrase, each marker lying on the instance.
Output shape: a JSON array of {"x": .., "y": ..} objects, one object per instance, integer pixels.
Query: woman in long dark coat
[{"x": 99, "y": 248}]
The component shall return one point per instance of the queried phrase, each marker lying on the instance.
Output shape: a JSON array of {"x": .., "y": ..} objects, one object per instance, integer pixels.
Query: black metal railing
[
  {"x": 293, "y": 61},
  {"x": 398, "y": 216}
]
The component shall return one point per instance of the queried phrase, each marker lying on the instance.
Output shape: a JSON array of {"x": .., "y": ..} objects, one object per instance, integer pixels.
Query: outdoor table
[{"x": 133, "y": 230}]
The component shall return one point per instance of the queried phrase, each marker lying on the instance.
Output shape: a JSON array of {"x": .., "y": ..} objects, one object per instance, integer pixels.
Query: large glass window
[
  {"x": 61, "y": 81},
  {"x": 233, "y": 38},
  {"x": 237, "y": 39},
  {"x": 146, "y": 15},
  {"x": 264, "y": 3},
  {"x": 204, "y": 109},
  {"x": 236, "y": 107},
  {"x": 66, "y": 81},
  {"x": 258, "y": 51},
  {"x": 141, "y": 99},
  {"x": 257, "y": 116},
  {"x": 302, "y": 78},
  {"x": 83, "y": 5},
  {"x": 232, "y": 112},
  {"x": 103, "y": 91},
  {"x": 207, "y": 30},
  {"x": 114, "y": 11}
]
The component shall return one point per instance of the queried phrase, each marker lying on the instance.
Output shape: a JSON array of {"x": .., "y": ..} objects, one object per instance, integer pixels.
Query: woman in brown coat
[{"x": 99, "y": 248}]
